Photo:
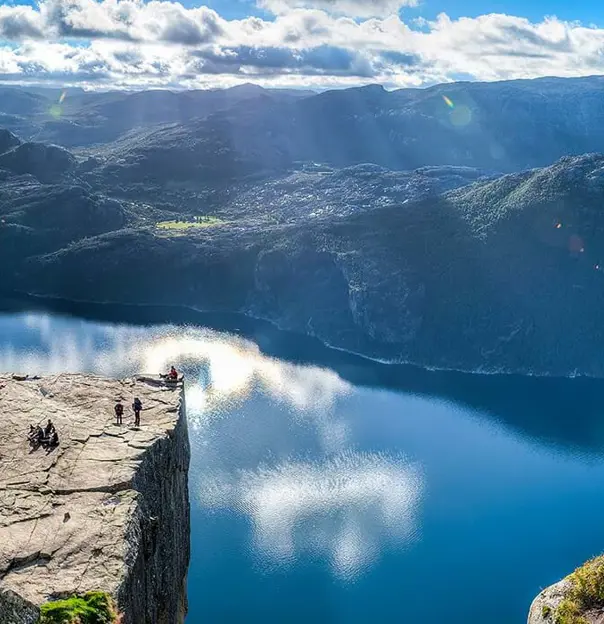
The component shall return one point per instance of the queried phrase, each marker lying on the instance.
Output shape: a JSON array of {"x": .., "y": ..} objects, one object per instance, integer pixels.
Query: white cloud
[
  {"x": 20, "y": 22},
  {"x": 126, "y": 20},
  {"x": 128, "y": 43},
  {"x": 356, "y": 8}
]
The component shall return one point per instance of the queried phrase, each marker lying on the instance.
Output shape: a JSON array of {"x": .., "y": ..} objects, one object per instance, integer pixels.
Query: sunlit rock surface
[
  {"x": 108, "y": 509},
  {"x": 545, "y": 604}
]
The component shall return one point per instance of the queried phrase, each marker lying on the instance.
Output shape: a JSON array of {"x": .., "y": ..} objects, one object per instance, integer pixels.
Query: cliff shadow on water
[{"x": 555, "y": 411}]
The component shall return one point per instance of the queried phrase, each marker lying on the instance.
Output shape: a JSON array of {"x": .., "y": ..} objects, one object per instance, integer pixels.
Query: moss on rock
[
  {"x": 586, "y": 594},
  {"x": 91, "y": 608}
]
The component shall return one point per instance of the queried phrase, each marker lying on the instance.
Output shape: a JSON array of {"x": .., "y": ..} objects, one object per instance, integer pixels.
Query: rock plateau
[{"x": 107, "y": 510}]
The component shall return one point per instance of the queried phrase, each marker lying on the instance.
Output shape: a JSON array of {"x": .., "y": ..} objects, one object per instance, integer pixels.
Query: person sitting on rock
[
  {"x": 119, "y": 412},
  {"x": 48, "y": 429},
  {"x": 172, "y": 375},
  {"x": 54, "y": 439},
  {"x": 137, "y": 406},
  {"x": 35, "y": 435}
]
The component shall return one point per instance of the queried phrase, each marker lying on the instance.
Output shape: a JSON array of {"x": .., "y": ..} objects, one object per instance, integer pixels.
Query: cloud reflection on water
[
  {"x": 234, "y": 366},
  {"x": 347, "y": 507},
  {"x": 247, "y": 412},
  {"x": 228, "y": 367}
]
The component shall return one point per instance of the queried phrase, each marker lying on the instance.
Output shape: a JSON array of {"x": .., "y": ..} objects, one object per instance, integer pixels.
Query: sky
[{"x": 132, "y": 44}]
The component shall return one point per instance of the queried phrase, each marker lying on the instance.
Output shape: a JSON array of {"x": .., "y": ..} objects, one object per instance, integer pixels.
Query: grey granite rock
[
  {"x": 546, "y": 603},
  {"x": 16, "y": 610},
  {"x": 107, "y": 510},
  {"x": 544, "y": 607}
]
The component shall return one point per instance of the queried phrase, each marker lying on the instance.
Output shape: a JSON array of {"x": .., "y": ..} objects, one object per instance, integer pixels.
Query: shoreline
[{"x": 246, "y": 326}]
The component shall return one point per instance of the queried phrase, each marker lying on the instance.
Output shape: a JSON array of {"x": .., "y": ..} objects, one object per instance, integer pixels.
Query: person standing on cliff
[
  {"x": 137, "y": 406},
  {"x": 119, "y": 412}
]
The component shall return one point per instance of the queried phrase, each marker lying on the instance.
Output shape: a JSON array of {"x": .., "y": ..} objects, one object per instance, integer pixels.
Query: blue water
[{"x": 329, "y": 489}]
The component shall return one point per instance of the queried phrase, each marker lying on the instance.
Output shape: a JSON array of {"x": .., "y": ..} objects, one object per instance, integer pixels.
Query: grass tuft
[
  {"x": 586, "y": 593},
  {"x": 179, "y": 227},
  {"x": 91, "y": 608}
]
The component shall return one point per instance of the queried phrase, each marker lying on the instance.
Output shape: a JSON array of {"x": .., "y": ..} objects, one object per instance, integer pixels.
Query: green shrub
[
  {"x": 568, "y": 612},
  {"x": 588, "y": 583},
  {"x": 586, "y": 592},
  {"x": 91, "y": 608}
]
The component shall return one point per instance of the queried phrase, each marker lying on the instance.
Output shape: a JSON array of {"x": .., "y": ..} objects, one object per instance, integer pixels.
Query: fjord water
[{"x": 329, "y": 489}]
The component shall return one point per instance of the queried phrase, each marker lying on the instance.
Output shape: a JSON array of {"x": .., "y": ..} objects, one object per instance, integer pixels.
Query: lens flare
[
  {"x": 448, "y": 102},
  {"x": 461, "y": 116},
  {"x": 56, "y": 109}
]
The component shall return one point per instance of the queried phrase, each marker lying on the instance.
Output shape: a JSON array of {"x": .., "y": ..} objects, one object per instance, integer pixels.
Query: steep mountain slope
[
  {"x": 38, "y": 218},
  {"x": 500, "y": 275},
  {"x": 43, "y": 207}
]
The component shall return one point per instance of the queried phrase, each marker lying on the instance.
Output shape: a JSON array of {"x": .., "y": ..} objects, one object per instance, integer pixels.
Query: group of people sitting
[{"x": 47, "y": 437}]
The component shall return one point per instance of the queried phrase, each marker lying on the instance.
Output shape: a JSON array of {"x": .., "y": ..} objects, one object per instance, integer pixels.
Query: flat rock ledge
[{"x": 106, "y": 510}]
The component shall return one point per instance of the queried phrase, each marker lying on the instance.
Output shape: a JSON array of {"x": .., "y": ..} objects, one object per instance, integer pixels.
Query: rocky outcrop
[
  {"x": 577, "y": 599},
  {"x": 106, "y": 510},
  {"x": 547, "y": 602},
  {"x": 16, "y": 610}
]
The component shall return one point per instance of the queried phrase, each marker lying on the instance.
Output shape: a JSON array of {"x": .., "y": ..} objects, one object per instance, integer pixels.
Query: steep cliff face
[
  {"x": 158, "y": 536},
  {"x": 107, "y": 510}
]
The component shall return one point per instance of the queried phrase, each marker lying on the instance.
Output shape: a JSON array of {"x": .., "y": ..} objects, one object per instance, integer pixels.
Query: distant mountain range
[
  {"x": 74, "y": 117},
  {"x": 504, "y": 126},
  {"x": 383, "y": 223}
]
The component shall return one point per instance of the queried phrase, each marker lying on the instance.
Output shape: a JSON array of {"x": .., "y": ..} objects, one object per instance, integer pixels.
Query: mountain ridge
[{"x": 505, "y": 126}]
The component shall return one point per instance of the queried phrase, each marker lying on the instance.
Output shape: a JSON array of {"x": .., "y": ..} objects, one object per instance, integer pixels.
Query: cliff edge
[
  {"x": 108, "y": 509},
  {"x": 576, "y": 599}
]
